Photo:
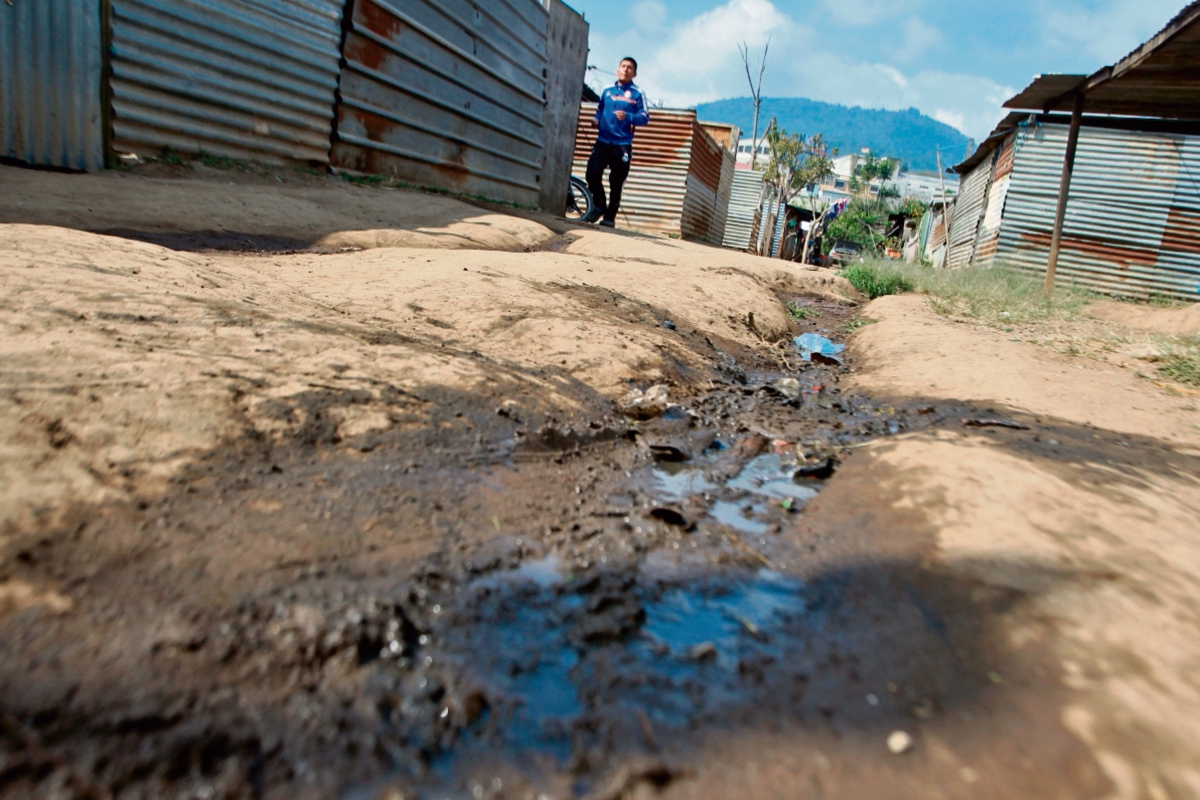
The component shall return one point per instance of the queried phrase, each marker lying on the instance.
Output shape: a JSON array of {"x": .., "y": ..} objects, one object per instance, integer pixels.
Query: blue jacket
[{"x": 627, "y": 98}]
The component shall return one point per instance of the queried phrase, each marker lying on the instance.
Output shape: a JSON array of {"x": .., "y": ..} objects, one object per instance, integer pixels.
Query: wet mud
[{"x": 497, "y": 599}]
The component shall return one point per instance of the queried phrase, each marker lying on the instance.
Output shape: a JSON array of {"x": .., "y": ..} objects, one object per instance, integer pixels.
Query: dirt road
[{"x": 343, "y": 513}]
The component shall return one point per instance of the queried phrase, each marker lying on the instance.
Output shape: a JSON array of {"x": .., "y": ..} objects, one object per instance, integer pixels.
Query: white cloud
[
  {"x": 650, "y": 15},
  {"x": 699, "y": 62},
  {"x": 951, "y": 118},
  {"x": 861, "y": 12},
  {"x": 1109, "y": 33},
  {"x": 896, "y": 75},
  {"x": 919, "y": 38}
]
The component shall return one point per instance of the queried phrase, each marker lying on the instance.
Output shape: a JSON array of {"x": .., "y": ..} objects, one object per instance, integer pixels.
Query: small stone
[
  {"x": 872, "y": 700},
  {"x": 899, "y": 742},
  {"x": 968, "y": 775}
]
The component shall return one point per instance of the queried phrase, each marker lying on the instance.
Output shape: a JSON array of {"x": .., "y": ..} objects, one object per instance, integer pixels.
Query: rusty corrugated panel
[
  {"x": 966, "y": 213},
  {"x": 446, "y": 94},
  {"x": 937, "y": 234},
  {"x": 724, "y": 194},
  {"x": 1128, "y": 229},
  {"x": 50, "y": 75},
  {"x": 989, "y": 226},
  {"x": 657, "y": 188},
  {"x": 743, "y": 202},
  {"x": 1005, "y": 156},
  {"x": 251, "y": 79},
  {"x": 1001, "y": 166},
  {"x": 703, "y": 186}
]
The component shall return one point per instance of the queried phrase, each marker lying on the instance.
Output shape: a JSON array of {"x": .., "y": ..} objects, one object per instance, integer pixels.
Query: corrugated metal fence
[
  {"x": 743, "y": 202},
  {"x": 657, "y": 187},
  {"x": 703, "y": 217},
  {"x": 674, "y": 185},
  {"x": 239, "y": 78},
  {"x": 50, "y": 79},
  {"x": 1133, "y": 221},
  {"x": 446, "y": 93}
]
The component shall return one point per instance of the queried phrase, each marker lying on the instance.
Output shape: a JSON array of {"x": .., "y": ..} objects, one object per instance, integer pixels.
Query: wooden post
[{"x": 1064, "y": 191}]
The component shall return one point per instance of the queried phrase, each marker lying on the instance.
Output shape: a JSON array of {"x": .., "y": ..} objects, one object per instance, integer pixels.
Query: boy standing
[{"x": 621, "y": 109}]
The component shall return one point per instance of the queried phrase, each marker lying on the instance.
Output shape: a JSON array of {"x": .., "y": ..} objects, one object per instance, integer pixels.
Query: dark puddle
[{"x": 547, "y": 682}]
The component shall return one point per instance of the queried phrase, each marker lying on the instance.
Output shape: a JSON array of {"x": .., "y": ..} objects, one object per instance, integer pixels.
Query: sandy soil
[
  {"x": 1169, "y": 321},
  {"x": 292, "y": 522},
  {"x": 1092, "y": 514},
  {"x": 194, "y": 207}
]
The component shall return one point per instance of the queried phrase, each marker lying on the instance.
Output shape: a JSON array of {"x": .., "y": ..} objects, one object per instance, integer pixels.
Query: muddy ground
[{"x": 422, "y": 554}]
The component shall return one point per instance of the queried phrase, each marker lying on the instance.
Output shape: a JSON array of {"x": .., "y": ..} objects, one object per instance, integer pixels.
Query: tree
[
  {"x": 796, "y": 164},
  {"x": 755, "y": 92},
  {"x": 870, "y": 169}
]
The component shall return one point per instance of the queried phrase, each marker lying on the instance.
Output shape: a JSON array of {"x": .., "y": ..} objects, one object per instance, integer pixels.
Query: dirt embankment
[{"x": 374, "y": 524}]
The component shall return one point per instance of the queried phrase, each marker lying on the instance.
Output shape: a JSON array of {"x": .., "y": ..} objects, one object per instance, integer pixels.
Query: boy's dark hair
[{"x": 631, "y": 60}]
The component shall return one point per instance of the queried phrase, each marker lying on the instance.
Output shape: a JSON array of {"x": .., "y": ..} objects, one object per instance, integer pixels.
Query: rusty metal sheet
[
  {"x": 657, "y": 188},
  {"x": 446, "y": 94},
  {"x": 966, "y": 213},
  {"x": 724, "y": 194},
  {"x": 51, "y": 58},
  {"x": 700, "y": 208},
  {"x": 745, "y": 193},
  {"x": 250, "y": 79},
  {"x": 1128, "y": 229}
]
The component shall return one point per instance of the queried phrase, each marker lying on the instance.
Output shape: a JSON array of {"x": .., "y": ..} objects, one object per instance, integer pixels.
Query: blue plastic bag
[{"x": 811, "y": 344}]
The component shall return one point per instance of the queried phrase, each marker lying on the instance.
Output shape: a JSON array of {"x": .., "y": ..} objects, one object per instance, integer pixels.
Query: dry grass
[
  {"x": 1015, "y": 302},
  {"x": 997, "y": 297}
]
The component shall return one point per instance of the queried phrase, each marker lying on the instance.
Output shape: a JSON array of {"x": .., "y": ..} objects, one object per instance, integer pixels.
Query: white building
[
  {"x": 925, "y": 186},
  {"x": 764, "y": 153}
]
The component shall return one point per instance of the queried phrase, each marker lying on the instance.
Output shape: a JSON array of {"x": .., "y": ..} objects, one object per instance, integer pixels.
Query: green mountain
[{"x": 908, "y": 135}]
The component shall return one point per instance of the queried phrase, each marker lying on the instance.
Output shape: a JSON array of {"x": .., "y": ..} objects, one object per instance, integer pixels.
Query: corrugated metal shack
[
  {"x": 50, "y": 77},
  {"x": 1124, "y": 217},
  {"x": 472, "y": 96},
  {"x": 446, "y": 94},
  {"x": 674, "y": 186},
  {"x": 744, "y": 196},
  {"x": 247, "y": 79},
  {"x": 1132, "y": 227}
]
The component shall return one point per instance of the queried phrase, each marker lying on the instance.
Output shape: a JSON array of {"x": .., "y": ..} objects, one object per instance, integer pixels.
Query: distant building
[
  {"x": 744, "y": 153},
  {"x": 925, "y": 186}
]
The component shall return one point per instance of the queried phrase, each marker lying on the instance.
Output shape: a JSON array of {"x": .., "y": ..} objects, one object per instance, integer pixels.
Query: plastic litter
[
  {"x": 669, "y": 325},
  {"x": 817, "y": 348}
]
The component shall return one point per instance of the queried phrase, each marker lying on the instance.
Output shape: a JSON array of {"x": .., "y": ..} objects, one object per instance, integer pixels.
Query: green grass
[
  {"x": 1180, "y": 360},
  {"x": 879, "y": 278},
  {"x": 859, "y": 322},
  {"x": 997, "y": 296},
  {"x": 797, "y": 311},
  {"x": 169, "y": 156},
  {"x": 363, "y": 180},
  {"x": 221, "y": 162}
]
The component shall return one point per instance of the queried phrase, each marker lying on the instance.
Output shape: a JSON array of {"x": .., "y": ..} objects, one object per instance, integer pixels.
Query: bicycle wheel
[{"x": 579, "y": 200}]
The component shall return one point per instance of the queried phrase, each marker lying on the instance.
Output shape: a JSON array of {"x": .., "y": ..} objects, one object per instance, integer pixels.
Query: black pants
[{"x": 614, "y": 157}]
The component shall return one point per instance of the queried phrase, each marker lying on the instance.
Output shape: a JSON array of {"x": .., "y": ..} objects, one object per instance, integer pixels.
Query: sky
[{"x": 954, "y": 60}]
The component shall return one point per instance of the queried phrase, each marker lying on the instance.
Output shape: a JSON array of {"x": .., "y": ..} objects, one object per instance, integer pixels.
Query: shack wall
[
  {"x": 1133, "y": 221},
  {"x": 566, "y": 51},
  {"x": 448, "y": 94},
  {"x": 655, "y": 193},
  {"x": 251, "y": 79},
  {"x": 702, "y": 217},
  {"x": 965, "y": 215},
  {"x": 745, "y": 191},
  {"x": 50, "y": 80}
]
